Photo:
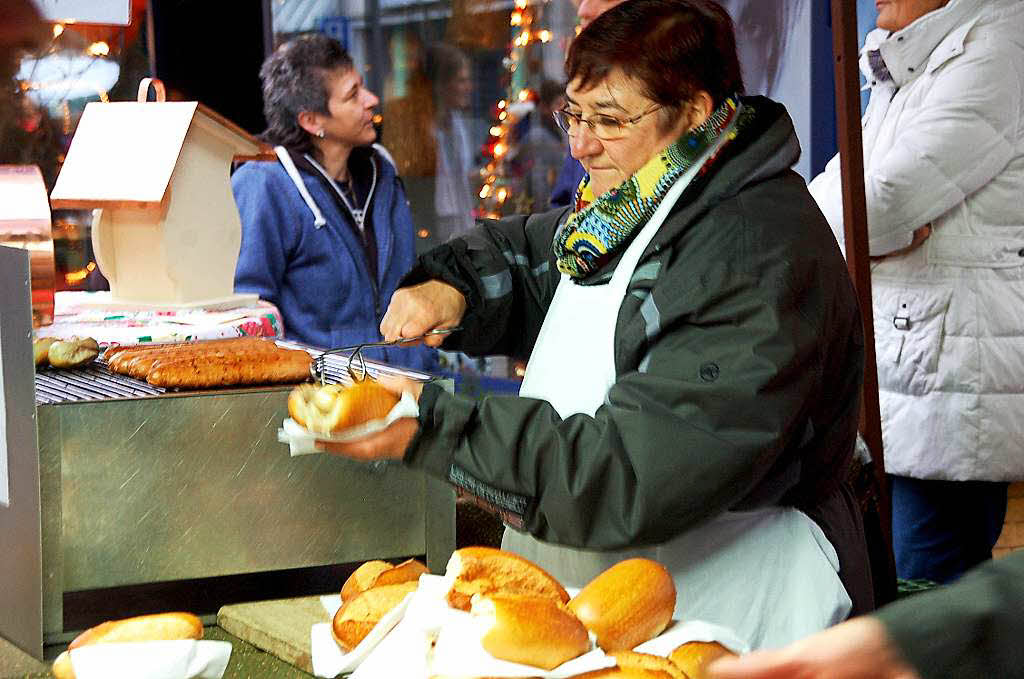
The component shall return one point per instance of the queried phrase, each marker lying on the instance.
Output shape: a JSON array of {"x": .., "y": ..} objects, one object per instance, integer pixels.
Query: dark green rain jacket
[{"x": 738, "y": 353}]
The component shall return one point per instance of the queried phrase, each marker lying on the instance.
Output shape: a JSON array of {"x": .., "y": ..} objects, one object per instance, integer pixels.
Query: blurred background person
[
  {"x": 763, "y": 29},
  {"x": 407, "y": 131},
  {"x": 540, "y": 146},
  {"x": 969, "y": 630},
  {"x": 447, "y": 68},
  {"x": 326, "y": 230},
  {"x": 428, "y": 133},
  {"x": 944, "y": 176}
]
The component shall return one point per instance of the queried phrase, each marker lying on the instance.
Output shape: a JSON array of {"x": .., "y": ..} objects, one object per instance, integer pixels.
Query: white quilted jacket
[{"x": 944, "y": 144}]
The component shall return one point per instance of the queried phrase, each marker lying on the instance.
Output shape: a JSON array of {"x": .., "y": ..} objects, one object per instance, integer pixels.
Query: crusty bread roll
[
  {"x": 332, "y": 408},
  {"x": 362, "y": 578},
  {"x": 72, "y": 353},
  {"x": 693, "y": 657},
  {"x": 631, "y": 665},
  {"x": 627, "y": 604},
  {"x": 62, "y": 668},
  {"x": 531, "y": 630},
  {"x": 376, "y": 573},
  {"x": 41, "y": 350},
  {"x": 156, "y": 627},
  {"x": 485, "y": 570},
  {"x": 357, "y": 617}
]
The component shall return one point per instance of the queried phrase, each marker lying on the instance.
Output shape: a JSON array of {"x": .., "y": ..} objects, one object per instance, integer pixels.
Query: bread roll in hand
[
  {"x": 485, "y": 570},
  {"x": 530, "y": 630},
  {"x": 627, "y": 604},
  {"x": 376, "y": 573},
  {"x": 73, "y": 353},
  {"x": 156, "y": 627},
  {"x": 331, "y": 408}
]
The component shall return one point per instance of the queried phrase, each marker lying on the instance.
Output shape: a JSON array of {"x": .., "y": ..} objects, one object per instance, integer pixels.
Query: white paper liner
[
  {"x": 404, "y": 649},
  {"x": 678, "y": 633},
  {"x": 179, "y": 659},
  {"x": 328, "y": 658},
  {"x": 301, "y": 441}
]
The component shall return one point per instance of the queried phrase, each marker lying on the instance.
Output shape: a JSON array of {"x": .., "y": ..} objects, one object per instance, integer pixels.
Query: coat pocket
[{"x": 909, "y": 332}]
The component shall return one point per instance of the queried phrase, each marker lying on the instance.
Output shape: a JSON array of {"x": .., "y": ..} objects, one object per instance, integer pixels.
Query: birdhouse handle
[{"x": 158, "y": 87}]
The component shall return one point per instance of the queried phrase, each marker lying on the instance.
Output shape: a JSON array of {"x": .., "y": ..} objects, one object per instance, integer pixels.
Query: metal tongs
[{"x": 319, "y": 367}]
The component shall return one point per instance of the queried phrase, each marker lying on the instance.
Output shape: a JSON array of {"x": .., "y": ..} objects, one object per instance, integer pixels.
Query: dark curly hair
[{"x": 294, "y": 80}]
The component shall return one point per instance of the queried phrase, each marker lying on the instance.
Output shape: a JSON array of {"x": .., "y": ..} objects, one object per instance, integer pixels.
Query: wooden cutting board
[
  {"x": 279, "y": 627},
  {"x": 16, "y": 664}
]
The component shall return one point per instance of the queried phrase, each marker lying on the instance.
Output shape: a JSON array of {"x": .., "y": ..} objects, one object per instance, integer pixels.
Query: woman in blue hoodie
[{"x": 326, "y": 230}]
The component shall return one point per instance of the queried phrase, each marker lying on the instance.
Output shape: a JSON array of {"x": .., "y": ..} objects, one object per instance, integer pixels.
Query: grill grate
[
  {"x": 96, "y": 383},
  {"x": 91, "y": 383}
]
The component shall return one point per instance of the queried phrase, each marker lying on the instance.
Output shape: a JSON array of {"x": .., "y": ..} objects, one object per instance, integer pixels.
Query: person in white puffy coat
[{"x": 944, "y": 181}]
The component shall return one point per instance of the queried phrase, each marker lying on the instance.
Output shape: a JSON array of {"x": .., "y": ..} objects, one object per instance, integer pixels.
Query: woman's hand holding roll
[
  {"x": 388, "y": 444},
  {"x": 418, "y": 309}
]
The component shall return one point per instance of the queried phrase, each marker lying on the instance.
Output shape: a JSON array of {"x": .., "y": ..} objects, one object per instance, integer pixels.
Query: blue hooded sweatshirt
[{"x": 302, "y": 252}]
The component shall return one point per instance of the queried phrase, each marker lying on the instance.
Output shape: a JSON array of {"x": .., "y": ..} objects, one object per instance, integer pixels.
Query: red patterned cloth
[{"x": 85, "y": 314}]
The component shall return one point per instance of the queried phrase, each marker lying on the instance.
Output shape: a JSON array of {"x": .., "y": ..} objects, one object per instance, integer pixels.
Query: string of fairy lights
[
  {"x": 69, "y": 76},
  {"x": 497, "y": 186}
]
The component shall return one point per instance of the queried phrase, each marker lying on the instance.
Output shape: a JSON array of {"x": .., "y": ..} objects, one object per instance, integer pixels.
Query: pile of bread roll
[
  {"x": 526, "y": 616},
  {"x": 210, "y": 363},
  {"x": 156, "y": 627},
  {"x": 73, "y": 352}
]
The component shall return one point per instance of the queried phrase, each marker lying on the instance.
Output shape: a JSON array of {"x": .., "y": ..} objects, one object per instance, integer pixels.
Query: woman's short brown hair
[
  {"x": 673, "y": 48},
  {"x": 296, "y": 78}
]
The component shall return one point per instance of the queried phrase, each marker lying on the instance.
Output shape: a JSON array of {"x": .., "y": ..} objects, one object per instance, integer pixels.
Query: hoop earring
[{"x": 321, "y": 134}]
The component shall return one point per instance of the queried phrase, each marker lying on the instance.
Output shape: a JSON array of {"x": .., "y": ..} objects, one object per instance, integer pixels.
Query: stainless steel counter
[{"x": 177, "y": 486}]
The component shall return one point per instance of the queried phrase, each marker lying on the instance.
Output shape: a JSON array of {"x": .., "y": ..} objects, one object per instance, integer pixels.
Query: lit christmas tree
[{"x": 499, "y": 194}]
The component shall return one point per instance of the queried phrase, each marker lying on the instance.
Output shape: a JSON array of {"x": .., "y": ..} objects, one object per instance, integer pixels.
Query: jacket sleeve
[
  {"x": 717, "y": 401},
  {"x": 263, "y": 257},
  {"x": 967, "y": 629},
  {"x": 960, "y": 137},
  {"x": 506, "y": 271}
]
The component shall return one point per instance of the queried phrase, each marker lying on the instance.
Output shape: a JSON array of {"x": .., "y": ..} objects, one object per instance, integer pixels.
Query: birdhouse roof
[{"x": 123, "y": 154}]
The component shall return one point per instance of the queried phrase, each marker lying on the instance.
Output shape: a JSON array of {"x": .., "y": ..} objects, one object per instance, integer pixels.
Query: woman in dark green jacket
[{"x": 695, "y": 349}]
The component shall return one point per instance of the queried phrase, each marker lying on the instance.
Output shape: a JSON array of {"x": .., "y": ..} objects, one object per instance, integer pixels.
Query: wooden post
[{"x": 855, "y": 225}]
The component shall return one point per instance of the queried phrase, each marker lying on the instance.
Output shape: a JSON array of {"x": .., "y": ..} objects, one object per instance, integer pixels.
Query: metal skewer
[{"x": 355, "y": 358}]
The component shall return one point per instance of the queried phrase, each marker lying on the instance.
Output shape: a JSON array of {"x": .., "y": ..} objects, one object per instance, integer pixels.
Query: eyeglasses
[{"x": 604, "y": 127}]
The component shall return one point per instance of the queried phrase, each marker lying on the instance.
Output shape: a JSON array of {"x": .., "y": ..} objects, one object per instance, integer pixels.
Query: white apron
[{"x": 770, "y": 575}]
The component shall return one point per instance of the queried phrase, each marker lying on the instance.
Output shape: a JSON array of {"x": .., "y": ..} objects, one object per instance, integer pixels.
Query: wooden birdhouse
[{"x": 165, "y": 229}]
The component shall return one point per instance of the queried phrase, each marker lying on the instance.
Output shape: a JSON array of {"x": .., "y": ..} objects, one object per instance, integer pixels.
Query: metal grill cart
[{"x": 140, "y": 485}]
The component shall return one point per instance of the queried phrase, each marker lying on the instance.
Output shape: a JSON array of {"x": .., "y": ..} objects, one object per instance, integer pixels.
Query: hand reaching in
[{"x": 856, "y": 649}]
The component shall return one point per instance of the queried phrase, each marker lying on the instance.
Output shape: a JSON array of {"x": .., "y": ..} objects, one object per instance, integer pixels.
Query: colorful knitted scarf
[{"x": 599, "y": 227}]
